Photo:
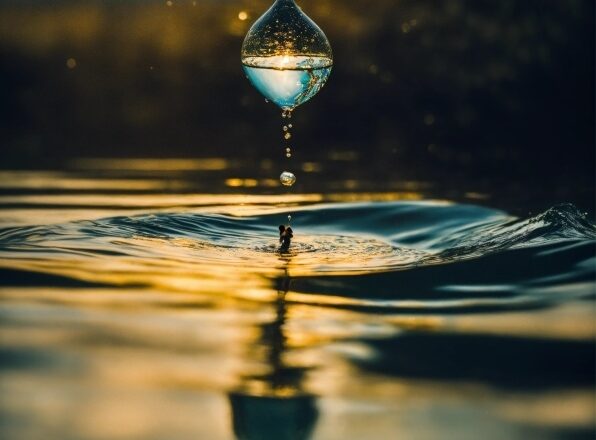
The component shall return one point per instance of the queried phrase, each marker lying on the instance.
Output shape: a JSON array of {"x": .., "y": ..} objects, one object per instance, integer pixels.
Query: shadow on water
[
  {"x": 274, "y": 405},
  {"x": 501, "y": 361}
]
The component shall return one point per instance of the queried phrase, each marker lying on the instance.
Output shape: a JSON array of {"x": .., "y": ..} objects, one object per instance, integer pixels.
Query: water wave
[{"x": 395, "y": 256}]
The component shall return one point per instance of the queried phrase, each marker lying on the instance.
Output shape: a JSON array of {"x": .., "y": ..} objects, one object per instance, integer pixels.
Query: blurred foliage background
[{"x": 469, "y": 88}]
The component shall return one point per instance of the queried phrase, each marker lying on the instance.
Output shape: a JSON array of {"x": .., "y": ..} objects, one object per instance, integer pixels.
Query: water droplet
[
  {"x": 288, "y": 155},
  {"x": 277, "y": 55},
  {"x": 288, "y": 150},
  {"x": 287, "y": 179},
  {"x": 290, "y": 126},
  {"x": 285, "y": 128},
  {"x": 289, "y": 219},
  {"x": 287, "y": 136}
]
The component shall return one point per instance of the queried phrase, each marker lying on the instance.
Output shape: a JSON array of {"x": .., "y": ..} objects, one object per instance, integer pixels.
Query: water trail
[
  {"x": 287, "y": 131},
  {"x": 287, "y": 178}
]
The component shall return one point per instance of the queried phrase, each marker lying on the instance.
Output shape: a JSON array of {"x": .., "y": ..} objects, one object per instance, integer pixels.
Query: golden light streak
[{"x": 152, "y": 164}]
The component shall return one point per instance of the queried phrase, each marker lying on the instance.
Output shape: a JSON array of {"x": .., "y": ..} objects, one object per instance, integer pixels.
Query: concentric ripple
[{"x": 379, "y": 252}]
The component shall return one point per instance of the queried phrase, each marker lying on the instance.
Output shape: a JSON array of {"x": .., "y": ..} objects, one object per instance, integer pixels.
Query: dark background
[{"x": 500, "y": 91}]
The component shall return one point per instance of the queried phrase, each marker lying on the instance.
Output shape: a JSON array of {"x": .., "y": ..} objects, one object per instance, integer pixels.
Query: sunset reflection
[{"x": 274, "y": 404}]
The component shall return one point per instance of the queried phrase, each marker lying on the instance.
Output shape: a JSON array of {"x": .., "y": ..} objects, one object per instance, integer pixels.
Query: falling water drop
[
  {"x": 289, "y": 219},
  {"x": 287, "y": 179},
  {"x": 288, "y": 58},
  {"x": 287, "y": 136}
]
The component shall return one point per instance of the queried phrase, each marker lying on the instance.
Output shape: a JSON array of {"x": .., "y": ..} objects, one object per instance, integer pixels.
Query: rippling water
[{"x": 153, "y": 315}]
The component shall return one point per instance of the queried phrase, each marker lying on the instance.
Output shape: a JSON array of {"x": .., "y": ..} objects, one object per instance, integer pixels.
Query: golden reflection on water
[
  {"x": 275, "y": 359},
  {"x": 27, "y": 209},
  {"x": 186, "y": 340},
  {"x": 246, "y": 183},
  {"x": 147, "y": 164},
  {"x": 40, "y": 180},
  {"x": 156, "y": 201}
]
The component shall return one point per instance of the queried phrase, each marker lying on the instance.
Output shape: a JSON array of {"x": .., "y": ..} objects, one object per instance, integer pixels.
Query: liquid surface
[
  {"x": 288, "y": 81},
  {"x": 143, "y": 313}
]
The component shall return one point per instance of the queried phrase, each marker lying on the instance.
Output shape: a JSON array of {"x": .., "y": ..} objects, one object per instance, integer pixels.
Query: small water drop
[
  {"x": 285, "y": 128},
  {"x": 289, "y": 219},
  {"x": 287, "y": 179},
  {"x": 290, "y": 126},
  {"x": 288, "y": 155},
  {"x": 287, "y": 136},
  {"x": 288, "y": 150}
]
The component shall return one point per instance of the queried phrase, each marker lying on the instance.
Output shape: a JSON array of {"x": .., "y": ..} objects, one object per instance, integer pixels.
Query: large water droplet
[
  {"x": 286, "y": 56},
  {"x": 287, "y": 178}
]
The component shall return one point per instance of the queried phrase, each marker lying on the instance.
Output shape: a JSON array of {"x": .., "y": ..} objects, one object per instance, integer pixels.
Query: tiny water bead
[
  {"x": 287, "y": 179},
  {"x": 287, "y": 135}
]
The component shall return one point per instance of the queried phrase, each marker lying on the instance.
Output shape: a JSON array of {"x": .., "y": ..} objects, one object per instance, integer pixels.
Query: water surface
[{"x": 140, "y": 307}]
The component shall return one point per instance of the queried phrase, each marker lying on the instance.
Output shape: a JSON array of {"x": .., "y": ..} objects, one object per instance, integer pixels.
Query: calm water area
[{"x": 146, "y": 299}]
